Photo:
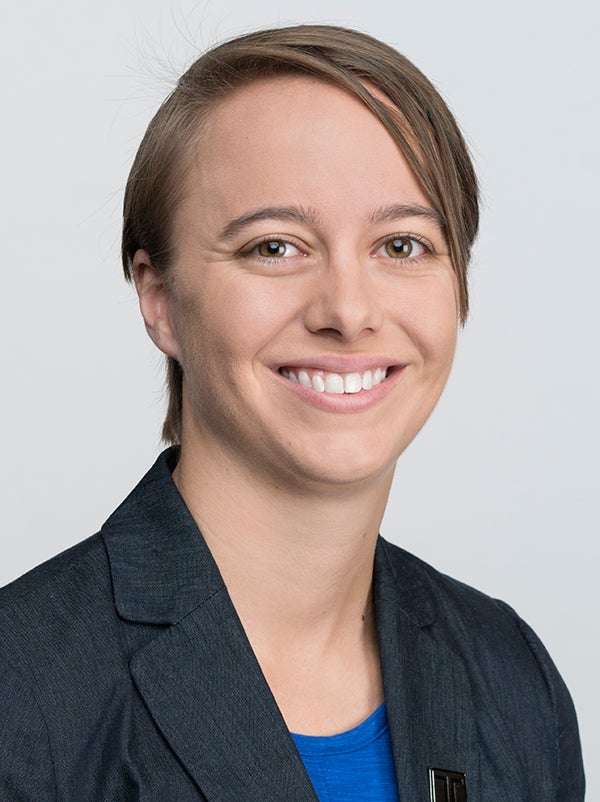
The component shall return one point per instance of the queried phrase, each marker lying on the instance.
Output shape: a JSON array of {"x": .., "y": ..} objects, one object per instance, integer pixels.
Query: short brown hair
[{"x": 416, "y": 117}]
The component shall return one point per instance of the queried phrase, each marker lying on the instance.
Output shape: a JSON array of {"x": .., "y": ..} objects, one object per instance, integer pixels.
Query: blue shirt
[{"x": 354, "y": 766}]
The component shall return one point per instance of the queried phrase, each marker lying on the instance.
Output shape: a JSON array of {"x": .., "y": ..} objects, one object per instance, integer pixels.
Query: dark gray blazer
[{"x": 125, "y": 674}]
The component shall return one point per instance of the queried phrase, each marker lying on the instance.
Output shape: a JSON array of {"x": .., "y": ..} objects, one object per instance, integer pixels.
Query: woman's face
[{"x": 312, "y": 303}]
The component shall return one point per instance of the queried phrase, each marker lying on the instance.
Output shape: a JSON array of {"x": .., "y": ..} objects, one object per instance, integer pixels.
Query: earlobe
[{"x": 154, "y": 298}]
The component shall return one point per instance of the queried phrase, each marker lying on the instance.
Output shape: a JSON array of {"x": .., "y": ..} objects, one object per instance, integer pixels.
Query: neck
[{"x": 297, "y": 565}]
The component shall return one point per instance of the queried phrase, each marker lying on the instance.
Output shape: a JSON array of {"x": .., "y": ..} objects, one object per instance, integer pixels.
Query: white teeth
[
  {"x": 318, "y": 384},
  {"x": 337, "y": 383},
  {"x": 304, "y": 379},
  {"x": 334, "y": 383},
  {"x": 352, "y": 383}
]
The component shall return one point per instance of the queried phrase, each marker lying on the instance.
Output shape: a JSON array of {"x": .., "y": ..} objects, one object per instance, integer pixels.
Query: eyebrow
[
  {"x": 293, "y": 214},
  {"x": 398, "y": 211},
  {"x": 309, "y": 217}
]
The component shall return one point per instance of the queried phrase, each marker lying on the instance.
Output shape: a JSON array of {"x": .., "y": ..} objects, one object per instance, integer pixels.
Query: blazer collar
[{"x": 161, "y": 567}]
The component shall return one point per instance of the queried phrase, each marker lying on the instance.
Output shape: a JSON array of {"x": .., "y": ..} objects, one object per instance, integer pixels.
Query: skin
[{"x": 288, "y": 485}]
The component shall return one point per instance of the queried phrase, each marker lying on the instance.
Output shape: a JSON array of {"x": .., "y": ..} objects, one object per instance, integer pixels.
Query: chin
[{"x": 345, "y": 463}]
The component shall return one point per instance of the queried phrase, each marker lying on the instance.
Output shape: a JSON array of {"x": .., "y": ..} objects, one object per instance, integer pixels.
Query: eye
[
  {"x": 275, "y": 249},
  {"x": 404, "y": 247}
]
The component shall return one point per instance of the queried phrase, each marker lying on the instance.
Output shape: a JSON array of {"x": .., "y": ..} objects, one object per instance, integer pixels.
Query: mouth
[{"x": 322, "y": 381}]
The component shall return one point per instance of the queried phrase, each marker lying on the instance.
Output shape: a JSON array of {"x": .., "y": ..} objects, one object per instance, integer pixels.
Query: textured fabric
[
  {"x": 125, "y": 675},
  {"x": 353, "y": 766}
]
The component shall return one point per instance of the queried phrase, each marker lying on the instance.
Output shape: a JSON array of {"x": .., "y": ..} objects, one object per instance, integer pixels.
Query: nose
[{"x": 345, "y": 303}]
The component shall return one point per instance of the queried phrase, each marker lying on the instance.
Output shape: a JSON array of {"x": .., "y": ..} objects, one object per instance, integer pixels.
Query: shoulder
[
  {"x": 45, "y": 574},
  {"x": 448, "y": 603},
  {"x": 510, "y": 671},
  {"x": 78, "y": 573},
  {"x": 55, "y": 616},
  {"x": 46, "y": 621},
  {"x": 482, "y": 628}
]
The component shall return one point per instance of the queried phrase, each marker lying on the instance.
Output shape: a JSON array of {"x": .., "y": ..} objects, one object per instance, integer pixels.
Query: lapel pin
[{"x": 447, "y": 786}]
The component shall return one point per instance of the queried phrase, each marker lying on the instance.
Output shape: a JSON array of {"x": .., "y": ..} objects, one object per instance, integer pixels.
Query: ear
[{"x": 154, "y": 298}]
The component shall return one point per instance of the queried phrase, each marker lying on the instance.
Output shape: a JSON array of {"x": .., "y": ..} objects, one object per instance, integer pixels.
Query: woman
[{"x": 297, "y": 222}]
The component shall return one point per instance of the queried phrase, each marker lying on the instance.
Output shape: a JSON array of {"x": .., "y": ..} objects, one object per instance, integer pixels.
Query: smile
[{"x": 338, "y": 383}]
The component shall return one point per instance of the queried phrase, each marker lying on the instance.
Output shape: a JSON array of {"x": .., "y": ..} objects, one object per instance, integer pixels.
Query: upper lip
[{"x": 337, "y": 363}]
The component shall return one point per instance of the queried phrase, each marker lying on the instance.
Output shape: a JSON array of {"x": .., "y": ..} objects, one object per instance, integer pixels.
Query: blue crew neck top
[{"x": 353, "y": 766}]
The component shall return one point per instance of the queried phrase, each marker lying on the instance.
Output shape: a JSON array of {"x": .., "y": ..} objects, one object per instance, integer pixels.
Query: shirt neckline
[{"x": 348, "y": 741}]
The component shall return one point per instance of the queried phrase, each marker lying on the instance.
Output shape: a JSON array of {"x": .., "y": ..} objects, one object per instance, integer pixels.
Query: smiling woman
[
  {"x": 238, "y": 630},
  {"x": 304, "y": 283}
]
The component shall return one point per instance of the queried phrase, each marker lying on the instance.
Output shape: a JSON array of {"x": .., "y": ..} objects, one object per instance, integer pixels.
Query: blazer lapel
[
  {"x": 199, "y": 676},
  {"x": 206, "y": 692},
  {"x": 428, "y": 696},
  {"x": 441, "y": 705}
]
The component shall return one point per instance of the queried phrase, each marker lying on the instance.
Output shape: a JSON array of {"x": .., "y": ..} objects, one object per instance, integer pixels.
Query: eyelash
[
  {"x": 413, "y": 238},
  {"x": 252, "y": 250}
]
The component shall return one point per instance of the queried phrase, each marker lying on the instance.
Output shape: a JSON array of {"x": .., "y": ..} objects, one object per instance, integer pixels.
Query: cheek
[
  {"x": 427, "y": 310},
  {"x": 255, "y": 307},
  {"x": 234, "y": 319},
  {"x": 256, "y": 310}
]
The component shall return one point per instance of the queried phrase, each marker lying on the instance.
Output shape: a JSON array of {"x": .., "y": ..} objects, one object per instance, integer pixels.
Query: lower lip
[{"x": 344, "y": 402}]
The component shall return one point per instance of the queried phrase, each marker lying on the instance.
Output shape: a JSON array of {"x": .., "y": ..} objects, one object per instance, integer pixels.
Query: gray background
[{"x": 500, "y": 489}]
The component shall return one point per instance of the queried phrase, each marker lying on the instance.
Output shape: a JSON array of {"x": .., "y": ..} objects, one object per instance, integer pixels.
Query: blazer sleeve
[
  {"x": 26, "y": 768},
  {"x": 570, "y": 777}
]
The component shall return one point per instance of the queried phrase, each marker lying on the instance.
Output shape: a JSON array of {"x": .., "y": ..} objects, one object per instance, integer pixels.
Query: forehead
[
  {"x": 272, "y": 106},
  {"x": 297, "y": 139}
]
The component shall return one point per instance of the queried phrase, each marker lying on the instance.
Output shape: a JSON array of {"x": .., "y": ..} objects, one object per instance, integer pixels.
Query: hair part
[{"x": 415, "y": 115}]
